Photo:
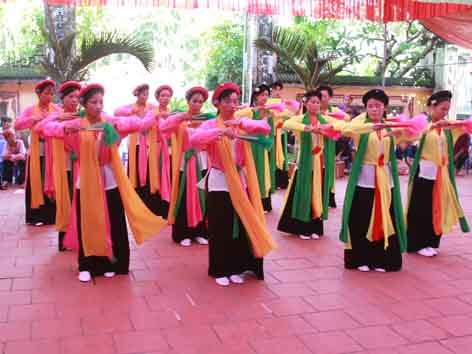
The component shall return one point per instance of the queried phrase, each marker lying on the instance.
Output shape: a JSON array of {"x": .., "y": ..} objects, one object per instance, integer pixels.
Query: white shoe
[
  {"x": 109, "y": 274},
  {"x": 425, "y": 252},
  {"x": 380, "y": 270},
  {"x": 186, "y": 242},
  {"x": 223, "y": 281},
  {"x": 315, "y": 237},
  {"x": 434, "y": 251},
  {"x": 201, "y": 240},
  {"x": 303, "y": 237},
  {"x": 363, "y": 268},
  {"x": 236, "y": 279},
  {"x": 85, "y": 276},
  {"x": 39, "y": 224}
]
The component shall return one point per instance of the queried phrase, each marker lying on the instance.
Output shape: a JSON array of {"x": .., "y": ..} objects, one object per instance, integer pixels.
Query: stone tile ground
[{"x": 168, "y": 305}]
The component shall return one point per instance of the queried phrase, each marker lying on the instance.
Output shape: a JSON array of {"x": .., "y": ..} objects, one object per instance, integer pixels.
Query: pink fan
[
  {"x": 398, "y": 118},
  {"x": 337, "y": 115},
  {"x": 417, "y": 124},
  {"x": 279, "y": 106},
  {"x": 293, "y": 105},
  {"x": 414, "y": 126}
]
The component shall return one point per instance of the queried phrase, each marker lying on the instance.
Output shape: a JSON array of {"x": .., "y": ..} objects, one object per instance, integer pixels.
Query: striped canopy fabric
[{"x": 373, "y": 10}]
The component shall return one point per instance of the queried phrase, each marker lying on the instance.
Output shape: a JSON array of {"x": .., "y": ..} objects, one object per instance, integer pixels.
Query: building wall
[
  {"x": 454, "y": 73},
  {"x": 413, "y": 98},
  {"x": 17, "y": 96}
]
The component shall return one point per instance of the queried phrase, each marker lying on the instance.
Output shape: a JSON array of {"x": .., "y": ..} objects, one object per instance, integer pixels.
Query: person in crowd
[
  {"x": 433, "y": 207},
  {"x": 187, "y": 204},
  {"x": 373, "y": 229},
  {"x": 39, "y": 187},
  {"x": 307, "y": 198},
  {"x": 104, "y": 199},
  {"x": 14, "y": 157},
  {"x": 238, "y": 235}
]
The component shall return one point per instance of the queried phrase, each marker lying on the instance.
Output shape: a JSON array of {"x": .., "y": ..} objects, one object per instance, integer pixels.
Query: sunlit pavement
[{"x": 307, "y": 304}]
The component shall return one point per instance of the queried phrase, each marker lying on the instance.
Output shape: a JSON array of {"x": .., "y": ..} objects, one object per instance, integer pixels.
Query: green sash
[
  {"x": 258, "y": 152},
  {"x": 301, "y": 209}
]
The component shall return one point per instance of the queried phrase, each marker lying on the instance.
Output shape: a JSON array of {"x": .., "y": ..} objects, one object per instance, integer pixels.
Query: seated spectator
[
  {"x": 461, "y": 152},
  {"x": 405, "y": 153},
  {"x": 345, "y": 152},
  {"x": 14, "y": 156}
]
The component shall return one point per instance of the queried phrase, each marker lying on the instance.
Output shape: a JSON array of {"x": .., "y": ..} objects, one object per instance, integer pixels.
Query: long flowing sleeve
[
  {"x": 294, "y": 124},
  {"x": 251, "y": 126},
  {"x": 357, "y": 127},
  {"x": 26, "y": 119},
  {"x": 124, "y": 111},
  {"x": 170, "y": 125},
  {"x": 244, "y": 113},
  {"x": 202, "y": 137}
]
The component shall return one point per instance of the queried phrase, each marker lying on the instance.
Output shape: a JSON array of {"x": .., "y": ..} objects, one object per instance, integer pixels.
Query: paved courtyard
[{"x": 168, "y": 305}]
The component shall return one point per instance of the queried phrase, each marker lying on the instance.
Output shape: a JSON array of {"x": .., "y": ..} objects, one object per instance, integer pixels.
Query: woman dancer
[
  {"x": 308, "y": 195},
  {"x": 187, "y": 205},
  {"x": 39, "y": 204},
  {"x": 62, "y": 167},
  {"x": 238, "y": 236},
  {"x": 434, "y": 207},
  {"x": 103, "y": 194},
  {"x": 373, "y": 228}
]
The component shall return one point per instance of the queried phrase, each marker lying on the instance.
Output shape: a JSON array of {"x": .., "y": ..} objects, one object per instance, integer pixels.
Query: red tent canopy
[
  {"x": 374, "y": 10},
  {"x": 455, "y": 28}
]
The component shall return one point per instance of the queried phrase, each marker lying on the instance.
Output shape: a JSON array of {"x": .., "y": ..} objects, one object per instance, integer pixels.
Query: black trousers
[
  {"x": 46, "y": 213},
  {"x": 8, "y": 168},
  {"x": 365, "y": 252},
  {"x": 153, "y": 201},
  {"x": 119, "y": 237},
  {"x": 294, "y": 226},
  {"x": 180, "y": 229},
  {"x": 62, "y": 234},
  {"x": 228, "y": 255},
  {"x": 420, "y": 216}
]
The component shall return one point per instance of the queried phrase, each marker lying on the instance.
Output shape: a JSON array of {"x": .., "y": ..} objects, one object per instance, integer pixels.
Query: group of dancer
[{"x": 211, "y": 175}]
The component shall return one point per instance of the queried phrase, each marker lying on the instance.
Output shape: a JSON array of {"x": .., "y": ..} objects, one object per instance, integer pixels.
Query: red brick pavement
[{"x": 168, "y": 305}]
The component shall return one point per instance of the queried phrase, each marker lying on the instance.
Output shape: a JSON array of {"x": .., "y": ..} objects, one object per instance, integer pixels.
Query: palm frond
[
  {"x": 97, "y": 47},
  {"x": 287, "y": 48}
]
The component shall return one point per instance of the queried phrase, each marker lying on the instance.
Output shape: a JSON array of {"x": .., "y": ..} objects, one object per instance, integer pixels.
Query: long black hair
[
  {"x": 257, "y": 91},
  {"x": 309, "y": 94}
]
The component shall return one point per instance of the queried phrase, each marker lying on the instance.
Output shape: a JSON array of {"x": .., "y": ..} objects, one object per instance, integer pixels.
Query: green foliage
[
  {"x": 21, "y": 37},
  {"x": 301, "y": 53},
  {"x": 224, "y": 57},
  {"x": 178, "y": 104}
]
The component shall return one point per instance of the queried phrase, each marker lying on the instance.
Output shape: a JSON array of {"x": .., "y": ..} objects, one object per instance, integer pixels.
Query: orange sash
[
  {"x": 34, "y": 174},
  {"x": 93, "y": 218},
  {"x": 247, "y": 205},
  {"x": 177, "y": 142},
  {"x": 143, "y": 223},
  {"x": 61, "y": 184}
]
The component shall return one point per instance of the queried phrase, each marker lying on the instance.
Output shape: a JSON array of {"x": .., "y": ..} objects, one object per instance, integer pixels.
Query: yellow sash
[
  {"x": 93, "y": 216},
  {"x": 61, "y": 184},
  {"x": 143, "y": 223},
  {"x": 177, "y": 142},
  {"x": 249, "y": 208},
  {"x": 132, "y": 163},
  {"x": 34, "y": 172}
]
